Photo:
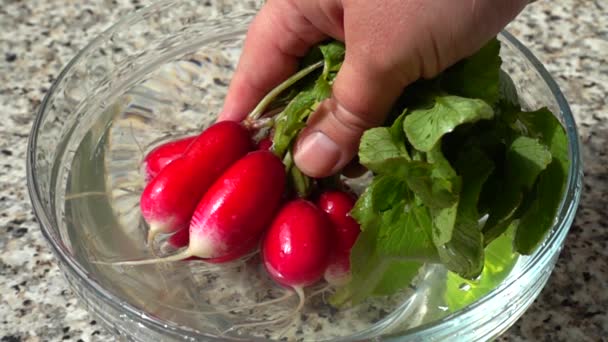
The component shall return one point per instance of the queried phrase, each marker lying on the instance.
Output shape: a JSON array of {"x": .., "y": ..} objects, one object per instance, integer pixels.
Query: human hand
[{"x": 389, "y": 44}]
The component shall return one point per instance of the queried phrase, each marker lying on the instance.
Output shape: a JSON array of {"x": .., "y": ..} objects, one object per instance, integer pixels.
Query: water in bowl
[{"x": 102, "y": 222}]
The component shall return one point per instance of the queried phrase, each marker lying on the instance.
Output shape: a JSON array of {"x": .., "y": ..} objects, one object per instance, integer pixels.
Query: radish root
[
  {"x": 78, "y": 195},
  {"x": 152, "y": 233},
  {"x": 185, "y": 254},
  {"x": 141, "y": 150},
  {"x": 301, "y": 297},
  {"x": 172, "y": 258},
  {"x": 228, "y": 311}
]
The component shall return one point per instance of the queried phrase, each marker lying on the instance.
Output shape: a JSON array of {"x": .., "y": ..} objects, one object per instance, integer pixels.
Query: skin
[{"x": 390, "y": 44}]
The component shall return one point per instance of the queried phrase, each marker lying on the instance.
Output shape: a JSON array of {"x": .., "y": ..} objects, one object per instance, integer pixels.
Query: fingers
[
  {"x": 278, "y": 36},
  {"x": 361, "y": 99}
]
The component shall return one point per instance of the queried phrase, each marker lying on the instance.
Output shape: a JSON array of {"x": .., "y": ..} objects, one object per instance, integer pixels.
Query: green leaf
[
  {"x": 476, "y": 76},
  {"x": 441, "y": 166},
  {"x": 395, "y": 240},
  {"x": 397, "y": 132},
  {"x": 366, "y": 269},
  {"x": 382, "y": 151},
  {"x": 291, "y": 120},
  {"x": 503, "y": 209},
  {"x": 424, "y": 127},
  {"x": 381, "y": 195},
  {"x": 454, "y": 148},
  {"x": 538, "y": 214},
  {"x": 536, "y": 222},
  {"x": 444, "y": 220},
  {"x": 396, "y": 276},
  {"x": 382, "y": 145},
  {"x": 301, "y": 80},
  {"x": 499, "y": 261},
  {"x": 508, "y": 98},
  {"x": 543, "y": 125},
  {"x": 384, "y": 277},
  {"x": 333, "y": 56},
  {"x": 378, "y": 146},
  {"x": 405, "y": 233},
  {"x": 372, "y": 273},
  {"x": 526, "y": 158},
  {"x": 444, "y": 178},
  {"x": 435, "y": 193},
  {"x": 322, "y": 89},
  {"x": 464, "y": 254}
]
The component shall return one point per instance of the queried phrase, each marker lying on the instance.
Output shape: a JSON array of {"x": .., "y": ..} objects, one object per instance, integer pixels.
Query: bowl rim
[{"x": 567, "y": 207}]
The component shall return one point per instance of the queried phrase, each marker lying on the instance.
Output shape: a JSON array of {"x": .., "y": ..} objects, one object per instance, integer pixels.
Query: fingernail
[{"x": 317, "y": 154}]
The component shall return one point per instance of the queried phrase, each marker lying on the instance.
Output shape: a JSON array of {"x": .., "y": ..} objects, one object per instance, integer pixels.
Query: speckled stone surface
[{"x": 38, "y": 37}]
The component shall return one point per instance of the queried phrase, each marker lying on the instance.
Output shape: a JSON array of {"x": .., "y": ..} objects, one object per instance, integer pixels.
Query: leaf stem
[
  {"x": 261, "y": 107},
  {"x": 288, "y": 161}
]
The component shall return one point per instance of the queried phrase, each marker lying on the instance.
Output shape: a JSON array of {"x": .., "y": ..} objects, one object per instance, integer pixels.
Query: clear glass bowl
[{"x": 160, "y": 73}]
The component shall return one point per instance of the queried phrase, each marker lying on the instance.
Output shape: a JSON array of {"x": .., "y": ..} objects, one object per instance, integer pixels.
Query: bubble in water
[{"x": 464, "y": 287}]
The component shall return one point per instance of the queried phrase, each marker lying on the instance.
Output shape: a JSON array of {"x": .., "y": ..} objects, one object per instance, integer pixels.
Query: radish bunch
[
  {"x": 304, "y": 242},
  {"x": 233, "y": 190},
  {"x": 301, "y": 240}
]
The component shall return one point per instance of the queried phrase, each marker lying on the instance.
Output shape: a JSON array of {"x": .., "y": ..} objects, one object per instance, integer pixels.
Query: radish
[
  {"x": 164, "y": 154},
  {"x": 337, "y": 205},
  {"x": 168, "y": 200},
  {"x": 296, "y": 247},
  {"x": 295, "y": 250},
  {"x": 234, "y": 212},
  {"x": 265, "y": 144},
  {"x": 181, "y": 239}
]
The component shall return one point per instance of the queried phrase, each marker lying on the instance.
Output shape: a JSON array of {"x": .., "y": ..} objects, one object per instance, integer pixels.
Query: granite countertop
[{"x": 38, "y": 37}]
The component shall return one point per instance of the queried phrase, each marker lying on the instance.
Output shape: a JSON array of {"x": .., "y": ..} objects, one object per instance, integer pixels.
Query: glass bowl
[{"x": 161, "y": 73}]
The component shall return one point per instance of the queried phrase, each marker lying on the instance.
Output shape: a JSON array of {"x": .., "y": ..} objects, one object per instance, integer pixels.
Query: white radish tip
[
  {"x": 151, "y": 236},
  {"x": 154, "y": 229}
]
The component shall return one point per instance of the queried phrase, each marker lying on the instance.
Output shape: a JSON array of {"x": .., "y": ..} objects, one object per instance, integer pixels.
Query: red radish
[
  {"x": 235, "y": 210},
  {"x": 265, "y": 144},
  {"x": 162, "y": 155},
  {"x": 169, "y": 200},
  {"x": 179, "y": 239},
  {"x": 296, "y": 247},
  {"x": 337, "y": 205}
]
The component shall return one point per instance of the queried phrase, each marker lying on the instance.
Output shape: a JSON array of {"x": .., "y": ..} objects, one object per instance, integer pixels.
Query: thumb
[{"x": 360, "y": 100}]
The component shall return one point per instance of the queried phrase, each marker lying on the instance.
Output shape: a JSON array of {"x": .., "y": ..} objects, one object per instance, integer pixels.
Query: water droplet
[{"x": 464, "y": 287}]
